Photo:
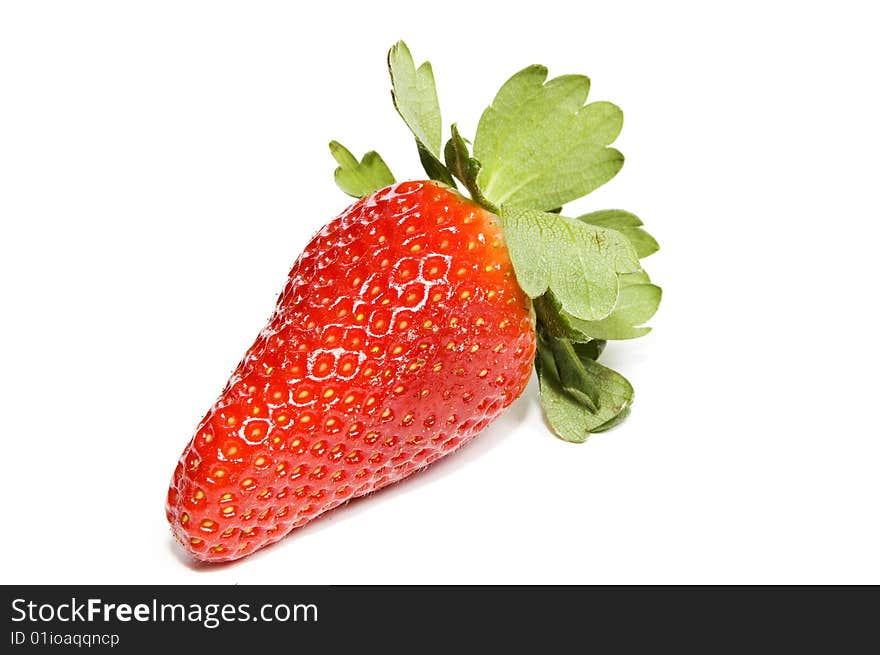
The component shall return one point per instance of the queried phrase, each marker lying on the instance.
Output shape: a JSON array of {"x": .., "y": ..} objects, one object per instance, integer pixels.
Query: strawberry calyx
[{"x": 537, "y": 147}]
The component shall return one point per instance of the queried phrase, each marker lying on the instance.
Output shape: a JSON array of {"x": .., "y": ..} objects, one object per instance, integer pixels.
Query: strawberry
[
  {"x": 411, "y": 321},
  {"x": 399, "y": 336}
]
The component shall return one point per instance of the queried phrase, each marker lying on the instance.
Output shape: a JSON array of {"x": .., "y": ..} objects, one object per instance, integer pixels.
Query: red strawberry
[
  {"x": 404, "y": 329},
  {"x": 401, "y": 334}
]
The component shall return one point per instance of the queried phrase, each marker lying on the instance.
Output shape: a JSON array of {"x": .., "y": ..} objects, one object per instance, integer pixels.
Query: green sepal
[
  {"x": 465, "y": 167},
  {"x": 591, "y": 349},
  {"x": 580, "y": 397},
  {"x": 554, "y": 321},
  {"x": 572, "y": 373},
  {"x": 540, "y": 146},
  {"x": 359, "y": 178},
  {"x": 578, "y": 262},
  {"x": 415, "y": 97},
  {"x": 433, "y": 167},
  {"x": 636, "y": 303},
  {"x": 628, "y": 224}
]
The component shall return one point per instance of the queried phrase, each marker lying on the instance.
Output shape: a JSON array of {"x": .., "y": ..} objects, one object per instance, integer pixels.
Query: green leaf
[
  {"x": 579, "y": 263},
  {"x": 540, "y": 147},
  {"x": 636, "y": 304},
  {"x": 629, "y": 225},
  {"x": 570, "y": 418},
  {"x": 415, "y": 98},
  {"x": 362, "y": 178}
]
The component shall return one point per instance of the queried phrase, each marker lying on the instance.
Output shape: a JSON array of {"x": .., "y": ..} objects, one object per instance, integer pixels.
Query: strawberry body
[{"x": 400, "y": 334}]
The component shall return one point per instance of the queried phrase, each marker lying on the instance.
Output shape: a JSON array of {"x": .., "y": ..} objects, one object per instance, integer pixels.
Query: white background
[{"x": 162, "y": 165}]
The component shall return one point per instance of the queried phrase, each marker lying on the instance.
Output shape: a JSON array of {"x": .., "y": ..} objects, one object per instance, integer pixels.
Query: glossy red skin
[{"x": 400, "y": 335}]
